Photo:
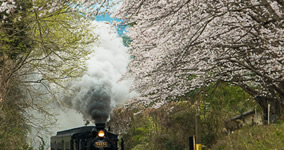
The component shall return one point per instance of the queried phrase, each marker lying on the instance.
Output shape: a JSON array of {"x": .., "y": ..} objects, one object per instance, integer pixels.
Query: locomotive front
[
  {"x": 103, "y": 139},
  {"x": 95, "y": 103},
  {"x": 85, "y": 138}
]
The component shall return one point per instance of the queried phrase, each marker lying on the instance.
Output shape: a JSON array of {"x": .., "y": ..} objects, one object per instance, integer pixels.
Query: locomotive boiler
[{"x": 86, "y": 138}]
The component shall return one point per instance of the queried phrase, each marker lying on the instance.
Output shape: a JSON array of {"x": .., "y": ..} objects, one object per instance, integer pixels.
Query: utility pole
[
  {"x": 198, "y": 128},
  {"x": 268, "y": 114}
]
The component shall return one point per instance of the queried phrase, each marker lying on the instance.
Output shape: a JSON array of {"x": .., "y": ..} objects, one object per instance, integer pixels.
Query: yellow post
[
  {"x": 198, "y": 147},
  {"x": 198, "y": 128}
]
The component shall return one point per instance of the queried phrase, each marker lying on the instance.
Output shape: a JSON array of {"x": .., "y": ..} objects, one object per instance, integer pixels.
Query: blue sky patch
[{"x": 121, "y": 29}]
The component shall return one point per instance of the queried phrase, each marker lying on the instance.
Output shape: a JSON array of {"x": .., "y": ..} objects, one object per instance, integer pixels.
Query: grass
[{"x": 265, "y": 137}]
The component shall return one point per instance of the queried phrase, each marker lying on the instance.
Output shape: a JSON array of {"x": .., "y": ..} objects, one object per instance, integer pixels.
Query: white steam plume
[{"x": 99, "y": 90}]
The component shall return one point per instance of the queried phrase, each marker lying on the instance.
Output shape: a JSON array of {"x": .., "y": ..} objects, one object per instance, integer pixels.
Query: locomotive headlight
[{"x": 101, "y": 133}]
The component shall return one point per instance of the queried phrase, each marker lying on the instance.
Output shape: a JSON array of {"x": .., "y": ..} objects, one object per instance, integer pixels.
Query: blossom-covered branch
[{"x": 185, "y": 44}]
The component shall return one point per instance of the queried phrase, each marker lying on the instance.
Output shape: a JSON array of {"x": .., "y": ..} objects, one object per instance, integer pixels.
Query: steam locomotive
[{"x": 86, "y": 138}]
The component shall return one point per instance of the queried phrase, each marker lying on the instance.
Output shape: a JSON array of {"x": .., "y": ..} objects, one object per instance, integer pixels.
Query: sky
[{"x": 121, "y": 30}]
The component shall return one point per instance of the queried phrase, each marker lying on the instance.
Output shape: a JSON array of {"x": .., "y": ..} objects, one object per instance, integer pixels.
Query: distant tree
[
  {"x": 182, "y": 45},
  {"x": 37, "y": 46}
]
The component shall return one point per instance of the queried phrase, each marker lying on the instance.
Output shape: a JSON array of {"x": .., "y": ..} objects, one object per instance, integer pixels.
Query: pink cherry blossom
[{"x": 181, "y": 45}]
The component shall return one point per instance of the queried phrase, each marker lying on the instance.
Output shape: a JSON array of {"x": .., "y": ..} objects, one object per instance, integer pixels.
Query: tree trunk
[{"x": 276, "y": 108}]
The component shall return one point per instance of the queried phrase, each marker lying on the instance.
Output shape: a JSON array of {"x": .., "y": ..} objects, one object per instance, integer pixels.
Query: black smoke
[
  {"x": 98, "y": 104},
  {"x": 93, "y": 99}
]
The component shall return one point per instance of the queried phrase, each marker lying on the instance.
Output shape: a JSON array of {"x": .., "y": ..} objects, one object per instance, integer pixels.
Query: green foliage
[
  {"x": 139, "y": 133},
  {"x": 61, "y": 40},
  {"x": 219, "y": 102},
  {"x": 14, "y": 39},
  {"x": 169, "y": 127},
  {"x": 13, "y": 128},
  {"x": 230, "y": 97},
  {"x": 221, "y": 96},
  {"x": 52, "y": 45},
  {"x": 126, "y": 40},
  {"x": 161, "y": 129},
  {"x": 191, "y": 76},
  {"x": 132, "y": 24},
  {"x": 13, "y": 122},
  {"x": 257, "y": 137}
]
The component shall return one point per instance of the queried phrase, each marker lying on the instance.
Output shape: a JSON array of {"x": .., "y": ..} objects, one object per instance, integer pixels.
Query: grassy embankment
[{"x": 264, "y": 137}]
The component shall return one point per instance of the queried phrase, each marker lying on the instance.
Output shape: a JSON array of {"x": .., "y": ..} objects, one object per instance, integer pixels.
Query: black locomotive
[{"x": 86, "y": 138}]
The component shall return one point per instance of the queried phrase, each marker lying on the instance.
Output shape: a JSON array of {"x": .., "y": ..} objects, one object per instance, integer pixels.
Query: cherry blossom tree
[{"x": 182, "y": 45}]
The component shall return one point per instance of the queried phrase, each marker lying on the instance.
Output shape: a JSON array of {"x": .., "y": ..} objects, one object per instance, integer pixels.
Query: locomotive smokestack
[{"x": 100, "y": 126}]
